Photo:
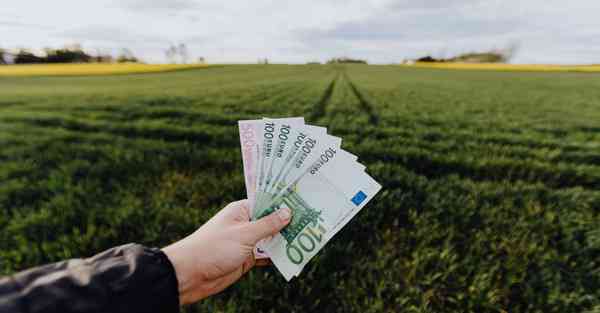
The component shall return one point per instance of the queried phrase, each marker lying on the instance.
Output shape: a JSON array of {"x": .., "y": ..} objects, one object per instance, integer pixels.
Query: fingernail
[{"x": 284, "y": 214}]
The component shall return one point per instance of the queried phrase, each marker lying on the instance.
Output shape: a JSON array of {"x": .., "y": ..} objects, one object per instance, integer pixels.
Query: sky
[{"x": 380, "y": 31}]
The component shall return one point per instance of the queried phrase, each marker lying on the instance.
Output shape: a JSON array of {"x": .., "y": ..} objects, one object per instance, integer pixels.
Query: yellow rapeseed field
[
  {"x": 89, "y": 69},
  {"x": 511, "y": 67}
]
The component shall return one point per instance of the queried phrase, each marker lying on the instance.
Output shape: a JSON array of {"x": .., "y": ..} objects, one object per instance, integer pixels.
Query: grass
[
  {"x": 25, "y": 70},
  {"x": 491, "y": 179}
]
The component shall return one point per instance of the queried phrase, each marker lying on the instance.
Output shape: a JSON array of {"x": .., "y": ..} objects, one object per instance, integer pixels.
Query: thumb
[{"x": 268, "y": 225}]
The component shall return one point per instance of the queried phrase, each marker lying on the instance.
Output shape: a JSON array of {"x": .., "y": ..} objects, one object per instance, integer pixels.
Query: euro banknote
[
  {"x": 322, "y": 201},
  {"x": 288, "y": 163},
  {"x": 256, "y": 139}
]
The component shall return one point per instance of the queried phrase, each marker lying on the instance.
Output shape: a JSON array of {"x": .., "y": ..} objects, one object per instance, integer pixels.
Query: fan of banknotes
[{"x": 288, "y": 163}]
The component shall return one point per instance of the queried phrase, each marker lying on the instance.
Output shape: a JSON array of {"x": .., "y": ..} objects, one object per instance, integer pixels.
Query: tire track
[
  {"x": 365, "y": 105},
  {"x": 9, "y": 104},
  {"x": 320, "y": 108}
]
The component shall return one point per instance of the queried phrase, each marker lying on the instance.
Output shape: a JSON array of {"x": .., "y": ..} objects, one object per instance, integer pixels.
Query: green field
[{"x": 491, "y": 199}]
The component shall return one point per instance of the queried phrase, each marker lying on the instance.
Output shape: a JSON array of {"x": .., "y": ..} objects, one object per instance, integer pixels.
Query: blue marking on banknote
[{"x": 359, "y": 197}]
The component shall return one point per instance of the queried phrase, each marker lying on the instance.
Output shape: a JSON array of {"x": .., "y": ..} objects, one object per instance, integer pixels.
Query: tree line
[
  {"x": 76, "y": 54},
  {"x": 68, "y": 54},
  {"x": 493, "y": 56}
]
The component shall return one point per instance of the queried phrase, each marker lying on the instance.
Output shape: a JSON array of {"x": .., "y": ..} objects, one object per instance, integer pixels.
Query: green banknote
[
  {"x": 270, "y": 134},
  {"x": 302, "y": 153},
  {"x": 276, "y": 134},
  {"x": 322, "y": 201}
]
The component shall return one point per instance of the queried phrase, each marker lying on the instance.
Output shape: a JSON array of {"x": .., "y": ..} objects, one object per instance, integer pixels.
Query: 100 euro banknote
[
  {"x": 302, "y": 154},
  {"x": 322, "y": 202},
  {"x": 290, "y": 164},
  {"x": 260, "y": 141}
]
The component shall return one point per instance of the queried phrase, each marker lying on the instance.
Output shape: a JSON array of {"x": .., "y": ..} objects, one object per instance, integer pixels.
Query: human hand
[{"x": 220, "y": 251}]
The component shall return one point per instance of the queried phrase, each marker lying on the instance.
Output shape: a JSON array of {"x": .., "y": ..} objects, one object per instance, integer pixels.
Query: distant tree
[
  {"x": 511, "y": 50},
  {"x": 69, "y": 54},
  {"x": 24, "y": 56},
  {"x": 127, "y": 56},
  {"x": 428, "y": 59},
  {"x": 104, "y": 58},
  {"x": 2, "y": 58},
  {"x": 346, "y": 60},
  {"x": 491, "y": 56},
  {"x": 171, "y": 54},
  {"x": 201, "y": 60},
  {"x": 479, "y": 57},
  {"x": 183, "y": 53},
  {"x": 101, "y": 57}
]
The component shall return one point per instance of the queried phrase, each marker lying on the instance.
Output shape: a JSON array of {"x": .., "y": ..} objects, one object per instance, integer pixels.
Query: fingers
[
  {"x": 238, "y": 211},
  {"x": 263, "y": 262},
  {"x": 248, "y": 264},
  {"x": 237, "y": 205},
  {"x": 268, "y": 225}
]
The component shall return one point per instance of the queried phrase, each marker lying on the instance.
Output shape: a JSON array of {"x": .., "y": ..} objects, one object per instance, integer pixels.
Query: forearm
[{"x": 129, "y": 278}]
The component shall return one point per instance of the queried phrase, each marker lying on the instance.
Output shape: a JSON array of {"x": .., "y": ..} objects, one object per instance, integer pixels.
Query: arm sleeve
[{"x": 129, "y": 278}]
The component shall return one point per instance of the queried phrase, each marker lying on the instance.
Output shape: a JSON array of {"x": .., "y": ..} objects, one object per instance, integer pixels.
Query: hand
[{"x": 221, "y": 251}]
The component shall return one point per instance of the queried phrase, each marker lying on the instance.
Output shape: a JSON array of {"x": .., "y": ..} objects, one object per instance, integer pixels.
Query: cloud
[
  {"x": 430, "y": 19},
  {"x": 400, "y": 26},
  {"x": 158, "y": 5},
  {"x": 407, "y": 29},
  {"x": 19, "y": 24},
  {"x": 111, "y": 35},
  {"x": 431, "y": 4},
  {"x": 293, "y": 31},
  {"x": 372, "y": 29},
  {"x": 403, "y": 29}
]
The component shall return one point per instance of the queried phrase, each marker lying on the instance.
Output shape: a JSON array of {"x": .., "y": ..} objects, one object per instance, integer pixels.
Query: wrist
[{"x": 183, "y": 273}]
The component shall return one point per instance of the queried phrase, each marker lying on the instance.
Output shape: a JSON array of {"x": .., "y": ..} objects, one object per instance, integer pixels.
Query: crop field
[
  {"x": 26, "y": 70},
  {"x": 491, "y": 180},
  {"x": 509, "y": 67}
]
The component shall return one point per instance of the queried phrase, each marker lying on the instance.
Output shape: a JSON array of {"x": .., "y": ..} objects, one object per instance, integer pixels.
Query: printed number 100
[{"x": 306, "y": 242}]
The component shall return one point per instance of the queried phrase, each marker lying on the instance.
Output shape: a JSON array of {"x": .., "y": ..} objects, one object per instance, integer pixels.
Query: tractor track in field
[
  {"x": 9, "y": 104},
  {"x": 365, "y": 105},
  {"x": 320, "y": 108}
]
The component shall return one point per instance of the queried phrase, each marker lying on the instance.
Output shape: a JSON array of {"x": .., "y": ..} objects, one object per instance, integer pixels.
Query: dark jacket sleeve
[{"x": 129, "y": 278}]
